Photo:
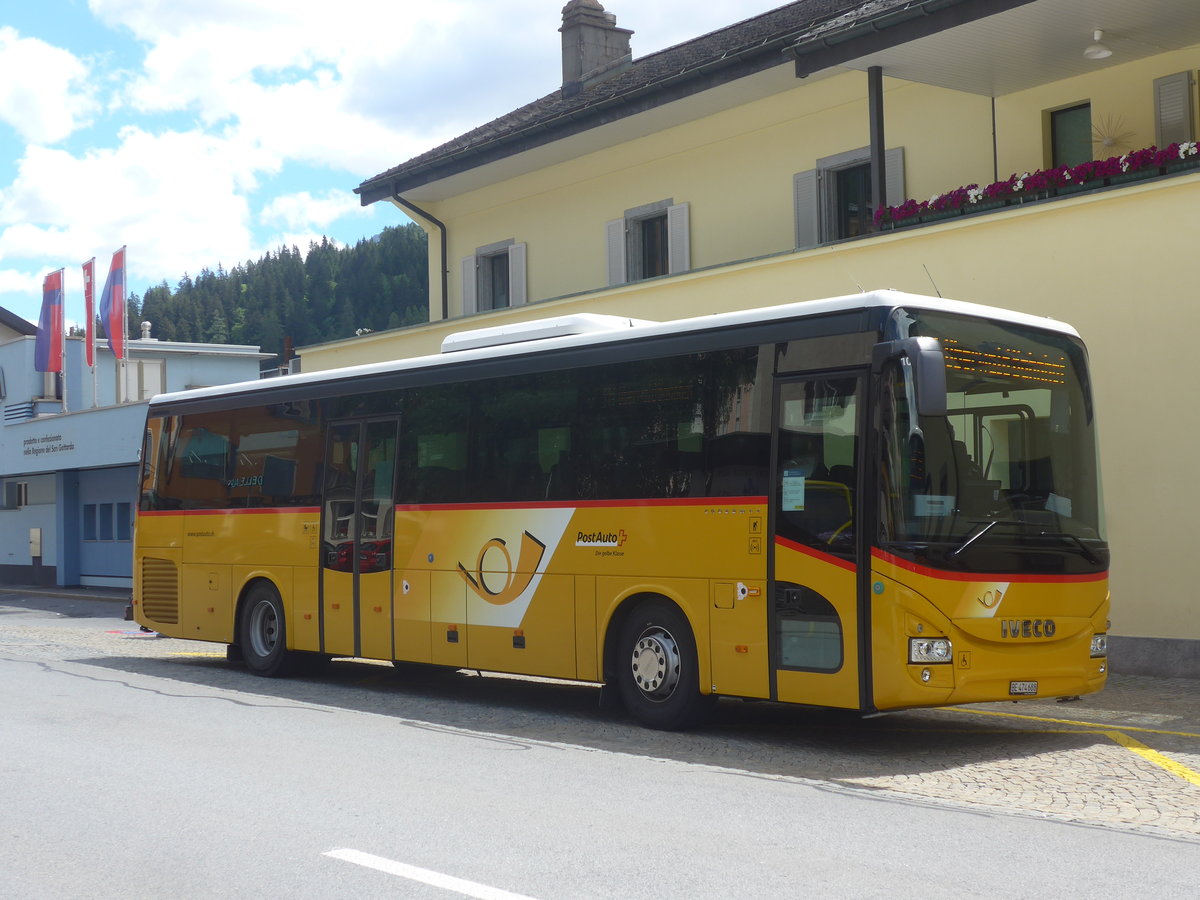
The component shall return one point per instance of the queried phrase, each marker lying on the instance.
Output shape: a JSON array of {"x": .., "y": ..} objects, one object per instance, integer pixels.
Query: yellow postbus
[{"x": 869, "y": 502}]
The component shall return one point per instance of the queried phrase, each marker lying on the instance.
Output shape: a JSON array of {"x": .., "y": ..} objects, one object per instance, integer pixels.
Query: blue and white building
[{"x": 69, "y": 448}]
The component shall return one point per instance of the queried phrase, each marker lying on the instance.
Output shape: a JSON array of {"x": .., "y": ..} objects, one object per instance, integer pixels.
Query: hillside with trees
[{"x": 330, "y": 292}]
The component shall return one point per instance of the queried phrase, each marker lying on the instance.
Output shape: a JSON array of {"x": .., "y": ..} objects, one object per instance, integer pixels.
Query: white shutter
[
  {"x": 679, "y": 239},
  {"x": 614, "y": 233},
  {"x": 807, "y": 209},
  {"x": 1173, "y": 109},
  {"x": 470, "y": 287},
  {"x": 893, "y": 172},
  {"x": 517, "y": 290}
]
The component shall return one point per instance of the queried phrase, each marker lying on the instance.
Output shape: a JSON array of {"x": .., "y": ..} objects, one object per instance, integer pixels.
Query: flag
[
  {"x": 48, "y": 346},
  {"x": 112, "y": 305},
  {"x": 89, "y": 284}
]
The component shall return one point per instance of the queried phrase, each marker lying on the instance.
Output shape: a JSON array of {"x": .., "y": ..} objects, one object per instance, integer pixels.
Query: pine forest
[{"x": 291, "y": 299}]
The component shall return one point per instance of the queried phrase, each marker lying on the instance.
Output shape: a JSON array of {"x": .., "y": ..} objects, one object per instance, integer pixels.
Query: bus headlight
[
  {"x": 929, "y": 650},
  {"x": 1099, "y": 645}
]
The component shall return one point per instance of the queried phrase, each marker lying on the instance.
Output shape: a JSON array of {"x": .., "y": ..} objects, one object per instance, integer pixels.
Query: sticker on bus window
[
  {"x": 793, "y": 490},
  {"x": 933, "y": 504},
  {"x": 1060, "y": 505}
]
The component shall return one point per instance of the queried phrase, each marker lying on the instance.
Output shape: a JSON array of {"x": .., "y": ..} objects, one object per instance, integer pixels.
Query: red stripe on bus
[
  {"x": 816, "y": 554},
  {"x": 437, "y": 507},
  {"x": 586, "y": 504},
  {"x": 946, "y": 575},
  {"x": 240, "y": 511}
]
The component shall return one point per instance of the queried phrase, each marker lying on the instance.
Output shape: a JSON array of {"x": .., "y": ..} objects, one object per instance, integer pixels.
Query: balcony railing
[{"x": 1042, "y": 184}]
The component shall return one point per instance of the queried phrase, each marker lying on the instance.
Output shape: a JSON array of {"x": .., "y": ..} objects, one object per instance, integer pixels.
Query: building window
[
  {"x": 1071, "y": 135},
  {"x": 107, "y": 521},
  {"x": 124, "y": 521},
  {"x": 494, "y": 277},
  {"x": 833, "y": 201},
  {"x": 649, "y": 241},
  {"x": 655, "y": 258},
  {"x": 852, "y": 201},
  {"x": 16, "y": 494}
]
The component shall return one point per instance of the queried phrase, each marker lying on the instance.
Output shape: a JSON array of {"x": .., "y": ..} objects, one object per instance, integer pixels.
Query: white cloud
[
  {"x": 12, "y": 281},
  {"x": 44, "y": 92},
  {"x": 173, "y": 198},
  {"x": 304, "y": 211}
]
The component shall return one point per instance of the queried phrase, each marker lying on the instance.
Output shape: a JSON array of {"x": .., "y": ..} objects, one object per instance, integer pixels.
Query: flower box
[
  {"x": 985, "y": 205},
  {"x": 935, "y": 216},
  {"x": 1043, "y": 184},
  {"x": 1134, "y": 175}
]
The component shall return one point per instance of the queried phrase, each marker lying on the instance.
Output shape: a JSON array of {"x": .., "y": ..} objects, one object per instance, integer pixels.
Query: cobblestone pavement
[{"x": 1128, "y": 757}]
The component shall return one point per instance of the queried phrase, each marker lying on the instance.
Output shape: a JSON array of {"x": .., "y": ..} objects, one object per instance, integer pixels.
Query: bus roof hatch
[{"x": 538, "y": 329}]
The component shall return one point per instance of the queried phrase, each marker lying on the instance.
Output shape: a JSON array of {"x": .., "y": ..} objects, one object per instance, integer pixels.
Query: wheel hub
[
  {"x": 655, "y": 663},
  {"x": 264, "y": 629}
]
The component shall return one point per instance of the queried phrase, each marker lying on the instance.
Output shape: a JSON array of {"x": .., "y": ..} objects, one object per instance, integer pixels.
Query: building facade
[
  {"x": 1037, "y": 155},
  {"x": 69, "y": 449}
]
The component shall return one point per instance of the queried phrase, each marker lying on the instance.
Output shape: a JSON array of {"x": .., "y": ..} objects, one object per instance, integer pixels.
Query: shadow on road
[{"x": 761, "y": 738}]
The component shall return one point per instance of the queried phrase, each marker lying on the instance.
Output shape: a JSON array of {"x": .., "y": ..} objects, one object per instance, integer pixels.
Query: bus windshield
[{"x": 1009, "y": 479}]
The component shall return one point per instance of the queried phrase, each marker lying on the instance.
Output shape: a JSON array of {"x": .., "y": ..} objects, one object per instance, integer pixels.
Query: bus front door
[
  {"x": 814, "y": 563},
  {"x": 356, "y": 539}
]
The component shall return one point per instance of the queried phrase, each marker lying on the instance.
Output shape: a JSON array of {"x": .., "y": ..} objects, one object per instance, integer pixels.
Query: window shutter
[
  {"x": 1173, "y": 109},
  {"x": 470, "y": 287},
  {"x": 615, "y": 236},
  {"x": 807, "y": 209},
  {"x": 517, "y": 291},
  {"x": 679, "y": 239},
  {"x": 893, "y": 172}
]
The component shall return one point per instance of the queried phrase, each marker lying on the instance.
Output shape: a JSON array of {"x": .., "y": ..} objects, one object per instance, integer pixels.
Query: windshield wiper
[
  {"x": 1077, "y": 541},
  {"x": 980, "y": 530},
  {"x": 983, "y": 527}
]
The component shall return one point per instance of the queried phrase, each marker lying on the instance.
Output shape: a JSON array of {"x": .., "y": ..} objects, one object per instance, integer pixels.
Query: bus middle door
[
  {"x": 814, "y": 548},
  {"x": 356, "y": 542}
]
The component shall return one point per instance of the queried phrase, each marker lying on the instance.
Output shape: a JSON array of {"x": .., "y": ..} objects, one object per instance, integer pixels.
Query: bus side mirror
[{"x": 928, "y": 369}]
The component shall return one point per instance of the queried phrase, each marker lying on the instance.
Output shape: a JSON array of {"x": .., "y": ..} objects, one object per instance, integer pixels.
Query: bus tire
[
  {"x": 262, "y": 633},
  {"x": 658, "y": 674}
]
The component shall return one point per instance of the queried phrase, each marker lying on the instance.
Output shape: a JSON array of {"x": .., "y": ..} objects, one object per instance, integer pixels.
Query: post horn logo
[{"x": 516, "y": 582}]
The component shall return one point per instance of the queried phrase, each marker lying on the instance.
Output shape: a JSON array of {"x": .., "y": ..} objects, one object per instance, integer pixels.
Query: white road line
[{"x": 425, "y": 876}]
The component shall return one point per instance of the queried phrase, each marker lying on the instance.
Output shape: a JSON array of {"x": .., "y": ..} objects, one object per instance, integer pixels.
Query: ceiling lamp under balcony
[{"x": 1097, "y": 49}]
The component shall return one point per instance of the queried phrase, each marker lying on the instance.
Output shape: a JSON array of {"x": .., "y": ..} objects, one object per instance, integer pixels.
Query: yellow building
[{"x": 738, "y": 169}]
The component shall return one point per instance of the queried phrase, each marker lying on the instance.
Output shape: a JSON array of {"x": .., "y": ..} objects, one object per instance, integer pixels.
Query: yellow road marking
[
  {"x": 1119, "y": 737},
  {"x": 1092, "y": 725},
  {"x": 1155, "y": 757}
]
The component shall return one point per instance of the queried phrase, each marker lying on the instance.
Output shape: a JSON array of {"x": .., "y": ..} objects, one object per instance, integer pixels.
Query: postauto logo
[{"x": 601, "y": 538}]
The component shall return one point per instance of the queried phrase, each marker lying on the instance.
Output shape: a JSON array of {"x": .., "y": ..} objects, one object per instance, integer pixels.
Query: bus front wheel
[
  {"x": 262, "y": 633},
  {"x": 658, "y": 674}
]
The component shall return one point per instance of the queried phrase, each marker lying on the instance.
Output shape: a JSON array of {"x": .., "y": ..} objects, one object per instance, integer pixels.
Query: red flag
[
  {"x": 89, "y": 276},
  {"x": 48, "y": 346},
  {"x": 112, "y": 305}
]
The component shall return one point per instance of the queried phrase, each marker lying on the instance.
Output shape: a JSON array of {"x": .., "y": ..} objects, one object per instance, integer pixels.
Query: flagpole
[
  {"x": 124, "y": 366},
  {"x": 62, "y": 337},
  {"x": 89, "y": 331}
]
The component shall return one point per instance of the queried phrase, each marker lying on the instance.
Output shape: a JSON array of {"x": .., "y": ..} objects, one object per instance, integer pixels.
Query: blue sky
[{"x": 201, "y": 133}]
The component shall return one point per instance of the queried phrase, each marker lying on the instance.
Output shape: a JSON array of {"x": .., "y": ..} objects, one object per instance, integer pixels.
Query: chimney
[{"x": 592, "y": 45}]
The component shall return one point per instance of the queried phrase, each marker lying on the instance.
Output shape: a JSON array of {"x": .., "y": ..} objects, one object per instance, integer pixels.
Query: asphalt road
[{"x": 135, "y": 766}]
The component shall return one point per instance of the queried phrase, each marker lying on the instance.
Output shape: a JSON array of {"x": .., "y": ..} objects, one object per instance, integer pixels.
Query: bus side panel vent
[{"x": 160, "y": 590}]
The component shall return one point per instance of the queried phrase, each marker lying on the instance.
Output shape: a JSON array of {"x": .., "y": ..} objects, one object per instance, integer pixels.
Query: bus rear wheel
[
  {"x": 262, "y": 633},
  {"x": 658, "y": 674}
]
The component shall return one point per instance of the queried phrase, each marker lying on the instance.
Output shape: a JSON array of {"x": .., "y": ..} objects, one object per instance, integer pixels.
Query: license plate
[{"x": 1022, "y": 688}]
